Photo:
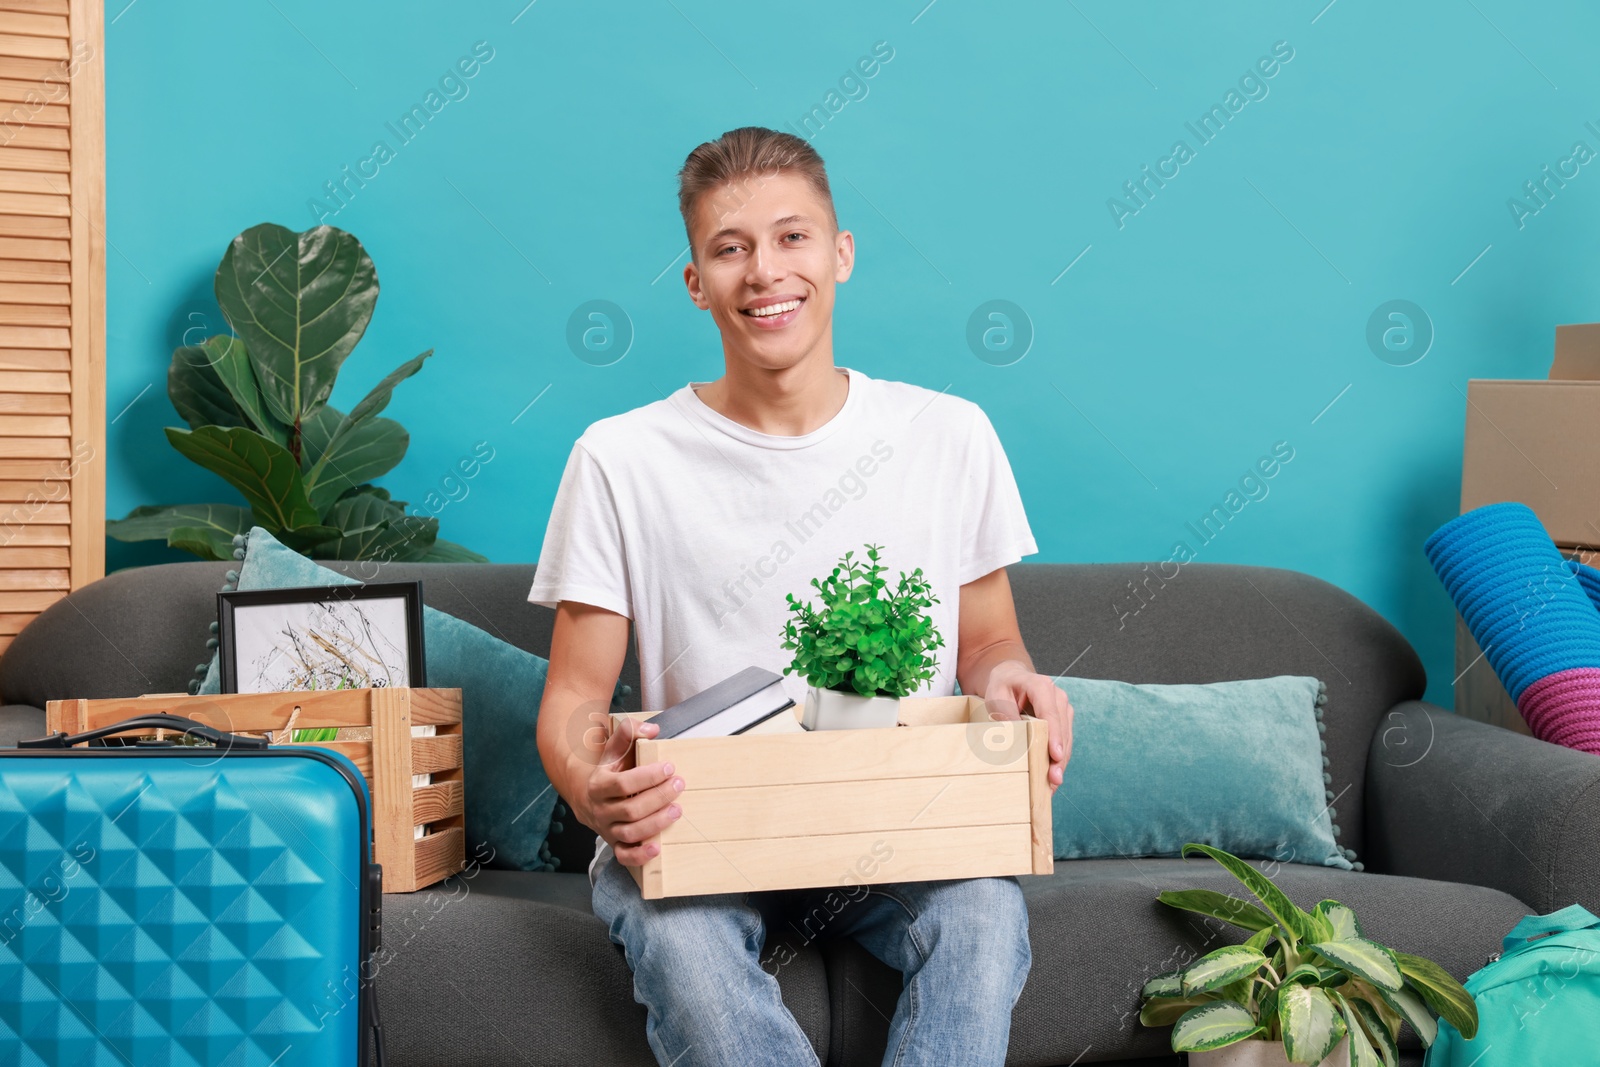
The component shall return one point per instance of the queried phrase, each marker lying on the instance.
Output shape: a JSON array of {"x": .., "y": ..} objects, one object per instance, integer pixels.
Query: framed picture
[{"x": 321, "y": 637}]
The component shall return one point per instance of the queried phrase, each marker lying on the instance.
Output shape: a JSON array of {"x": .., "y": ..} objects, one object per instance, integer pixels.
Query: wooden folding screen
[{"x": 52, "y": 303}]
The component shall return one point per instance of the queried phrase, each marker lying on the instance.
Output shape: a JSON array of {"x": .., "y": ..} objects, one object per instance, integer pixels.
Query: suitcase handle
[{"x": 149, "y": 722}]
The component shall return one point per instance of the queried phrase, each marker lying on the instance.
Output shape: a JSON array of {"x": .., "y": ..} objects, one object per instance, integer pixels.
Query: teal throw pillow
[
  {"x": 510, "y": 802},
  {"x": 1238, "y": 765}
]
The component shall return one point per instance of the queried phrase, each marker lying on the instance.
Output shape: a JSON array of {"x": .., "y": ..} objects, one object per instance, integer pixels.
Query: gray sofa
[{"x": 1463, "y": 828}]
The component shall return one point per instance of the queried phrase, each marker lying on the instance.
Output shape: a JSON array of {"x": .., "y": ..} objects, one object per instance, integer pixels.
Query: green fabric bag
[{"x": 1538, "y": 998}]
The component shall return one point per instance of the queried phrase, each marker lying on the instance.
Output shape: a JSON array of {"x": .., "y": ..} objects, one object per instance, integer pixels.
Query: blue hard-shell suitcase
[{"x": 194, "y": 905}]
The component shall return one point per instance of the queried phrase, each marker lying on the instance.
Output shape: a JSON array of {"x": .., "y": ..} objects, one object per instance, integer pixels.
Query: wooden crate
[
  {"x": 950, "y": 793},
  {"x": 388, "y": 758}
]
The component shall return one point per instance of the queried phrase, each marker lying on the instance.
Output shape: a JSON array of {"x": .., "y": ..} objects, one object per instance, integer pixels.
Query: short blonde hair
[{"x": 746, "y": 154}]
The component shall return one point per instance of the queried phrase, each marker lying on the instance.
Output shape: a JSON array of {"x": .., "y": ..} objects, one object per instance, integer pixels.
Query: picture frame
[{"x": 321, "y": 637}]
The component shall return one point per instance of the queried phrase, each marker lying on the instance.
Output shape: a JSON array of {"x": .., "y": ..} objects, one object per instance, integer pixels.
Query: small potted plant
[
  {"x": 864, "y": 648},
  {"x": 1306, "y": 987}
]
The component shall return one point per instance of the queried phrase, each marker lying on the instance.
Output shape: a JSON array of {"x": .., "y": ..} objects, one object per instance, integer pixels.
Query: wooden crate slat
[
  {"x": 15, "y": 44},
  {"x": 34, "y": 295},
  {"x": 834, "y": 755},
  {"x": 438, "y": 855},
  {"x": 52, "y": 359},
  {"x": 36, "y": 136},
  {"x": 25, "y": 181},
  {"x": 36, "y": 448},
  {"x": 393, "y": 840},
  {"x": 715, "y": 814},
  {"x": 31, "y": 578},
  {"x": 36, "y": 159},
  {"x": 431, "y": 707},
  {"x": 429, "y": 803},
  {"x": 1039, "y": 796},
  {"x": 35, "y": 315},
  {"x": 33, "y": 600},
  {"x": 39, "y": 25},
  {"x": 800, "y": 862},
  {"x": 34, "y": 382},
  {"x": 357, "y": 752},
  {"x": 34, "y": 270},
  {"x": 431, "y": 754},
  {"x": 38, "y": 204}
]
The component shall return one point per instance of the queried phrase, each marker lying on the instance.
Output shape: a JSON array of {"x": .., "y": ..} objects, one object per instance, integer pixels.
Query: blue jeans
[{"x": 961, "y": 946}]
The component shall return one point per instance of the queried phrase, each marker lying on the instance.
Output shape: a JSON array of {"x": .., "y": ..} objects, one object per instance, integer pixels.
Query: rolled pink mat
[{"x": 1563, "y": 708}]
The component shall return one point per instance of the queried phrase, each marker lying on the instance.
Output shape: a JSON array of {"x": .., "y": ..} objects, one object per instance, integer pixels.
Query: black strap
[{"x": 148, "y": 722}]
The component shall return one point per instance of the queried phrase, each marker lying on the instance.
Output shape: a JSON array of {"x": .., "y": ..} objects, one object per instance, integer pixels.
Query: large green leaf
[
  {"x": 1221, "y": 967},
  {"x": 1315, "y": 975},
  {"x": 1164, "y": 1011},
  {"x": 1213, "y": 1025},
  {"x": 1443, "y": 994},
  {"x": 316, "y": 431},
  {"x": 1409, "y": 1005},
  {"x": 359, "y": 439},
  {"x": 1165, "y": 984},
  {"x": 1377, "y": 1030},
  {"x": 1310, "y": 1024},
  {"x": 1218, "y": 906},
  {"x": 377, "y": 528},
  {"x": 1362, "y": 1054},
  {"x": 1340, "y": 918},
  {"x": 211, "y": 384},
  {"x": 371, "y": 449},
  {"x": 1295, "y": 922},
  {"x": 300, "y": 301},
  {"x": 152, "y": 522},
  {"x": 442, "y": 551},
  {"x": 262, "y": 470},
  {"x": 1364, "y": 959}
]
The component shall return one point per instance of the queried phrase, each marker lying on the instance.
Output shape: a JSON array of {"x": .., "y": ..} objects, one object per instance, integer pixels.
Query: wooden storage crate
[
  {"x": 388, "y": 757},
  {"x": 950, "y": 793}
]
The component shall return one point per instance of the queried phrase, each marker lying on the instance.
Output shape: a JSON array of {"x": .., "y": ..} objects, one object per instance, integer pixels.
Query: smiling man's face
[{"x": 766, "y": 260}]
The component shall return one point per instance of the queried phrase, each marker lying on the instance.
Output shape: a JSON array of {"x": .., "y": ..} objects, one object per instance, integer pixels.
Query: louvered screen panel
[{"x": 52, "y": 304}]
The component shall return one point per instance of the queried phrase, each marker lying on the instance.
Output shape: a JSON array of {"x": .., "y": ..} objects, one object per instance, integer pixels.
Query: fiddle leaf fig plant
[
  {"x": 864, "y": 639},
  {"x": 1306, "y": 978},
  {"x": 256, "y": 405}
]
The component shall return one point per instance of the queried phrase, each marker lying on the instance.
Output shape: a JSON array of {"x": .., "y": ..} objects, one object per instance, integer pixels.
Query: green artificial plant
[
  {"x": 1307, "y": 978},
  {"x": 863, "y": 639},
  {"x": 256, "y": 402}
]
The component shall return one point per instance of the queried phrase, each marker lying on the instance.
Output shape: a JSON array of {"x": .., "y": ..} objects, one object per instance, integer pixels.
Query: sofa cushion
[
  {"x": 1098, "y": 933},
  {"x": 512, "y": 967},
  {"x": 1236, "y": 764}
]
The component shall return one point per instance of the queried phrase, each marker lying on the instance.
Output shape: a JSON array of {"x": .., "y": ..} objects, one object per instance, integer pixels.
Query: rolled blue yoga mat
[{"x": 1528, "y": 607}]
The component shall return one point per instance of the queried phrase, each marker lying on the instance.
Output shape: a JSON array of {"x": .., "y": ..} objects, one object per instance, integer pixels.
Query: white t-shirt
[{"x": 696, "y": 526}]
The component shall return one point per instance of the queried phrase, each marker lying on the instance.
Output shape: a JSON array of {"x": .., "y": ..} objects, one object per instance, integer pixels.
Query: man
[{"x": 694, "y": 516}]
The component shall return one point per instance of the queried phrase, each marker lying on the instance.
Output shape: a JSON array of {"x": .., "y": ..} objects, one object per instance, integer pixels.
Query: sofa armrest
[{"x": 1458, "y": 800}]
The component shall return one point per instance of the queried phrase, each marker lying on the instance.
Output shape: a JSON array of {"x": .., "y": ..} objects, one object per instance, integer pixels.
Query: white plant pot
[
  {"x": 1254, "y": 1053},
  {"x": 829, "y": 709}
]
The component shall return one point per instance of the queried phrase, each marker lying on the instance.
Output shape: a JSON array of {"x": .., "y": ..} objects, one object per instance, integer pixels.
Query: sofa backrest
[{"x": 144, "y": 630}]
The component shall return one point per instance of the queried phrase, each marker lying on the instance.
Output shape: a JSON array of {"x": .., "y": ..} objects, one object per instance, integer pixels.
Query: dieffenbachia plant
[{"x": 1307, "y": 978}]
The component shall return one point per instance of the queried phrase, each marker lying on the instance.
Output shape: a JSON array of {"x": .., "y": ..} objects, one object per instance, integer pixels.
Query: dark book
[{"x": 732, "y": 706}]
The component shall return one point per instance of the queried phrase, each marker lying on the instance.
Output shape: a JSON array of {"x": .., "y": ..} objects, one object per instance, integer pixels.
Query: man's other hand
[
  {"x": 1015, "y": 690},
  {"x": 630, "y": 806}
]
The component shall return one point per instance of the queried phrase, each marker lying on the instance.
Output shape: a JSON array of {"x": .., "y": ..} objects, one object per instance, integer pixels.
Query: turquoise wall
[{"x": 1198, "y": 326}]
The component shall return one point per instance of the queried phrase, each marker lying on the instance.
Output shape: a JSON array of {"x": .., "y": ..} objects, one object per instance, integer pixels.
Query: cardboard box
[
  {"x": 1537, "y": 442},
  {"x": 389, "y": 755},
  {"x": 950, "y": 793}
]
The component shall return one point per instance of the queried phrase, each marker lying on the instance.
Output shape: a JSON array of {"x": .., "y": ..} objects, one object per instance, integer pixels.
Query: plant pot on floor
[
  {"x": 1254, "y": 1053},
  {"x": 833, "y": 709}
]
